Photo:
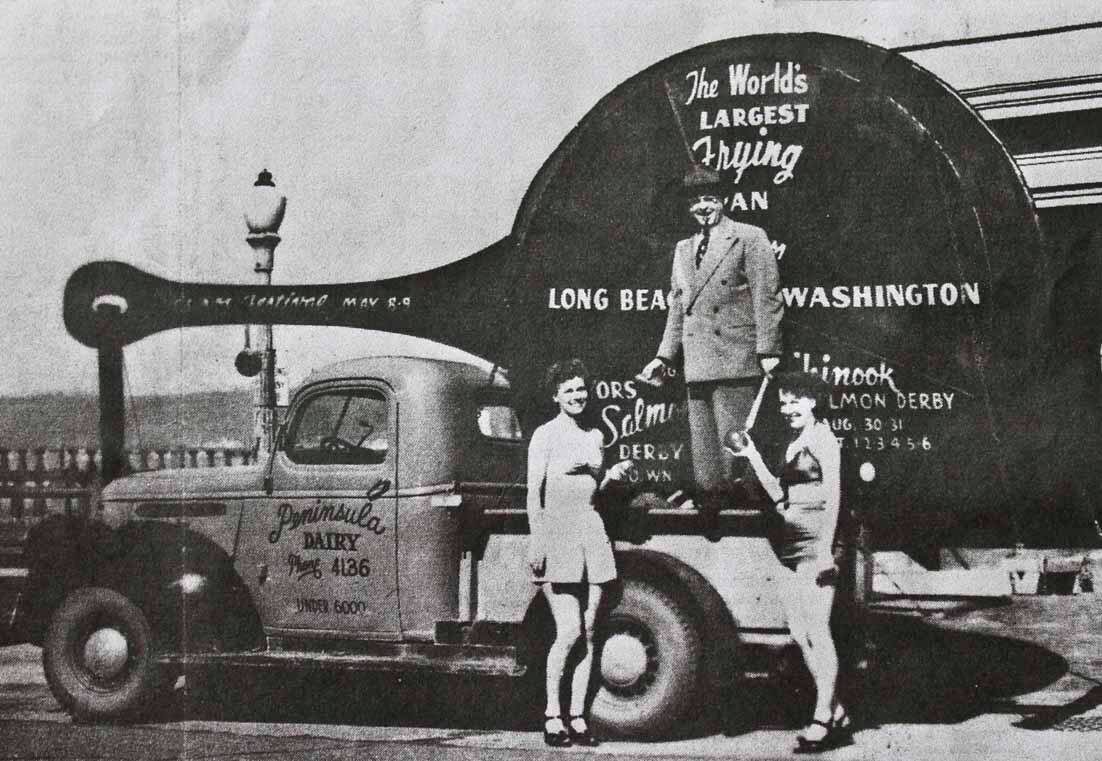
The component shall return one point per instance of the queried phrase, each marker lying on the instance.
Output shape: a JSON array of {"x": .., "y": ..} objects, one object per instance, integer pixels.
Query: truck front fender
[
  {"x": 177, "y": 576},
  {"x": 61, "y": 554},
  {"x": 172, "y": 573}
]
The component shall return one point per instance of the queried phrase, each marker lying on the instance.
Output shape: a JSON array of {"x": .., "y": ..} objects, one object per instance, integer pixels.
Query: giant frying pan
[{"x": 907, "y": 242}]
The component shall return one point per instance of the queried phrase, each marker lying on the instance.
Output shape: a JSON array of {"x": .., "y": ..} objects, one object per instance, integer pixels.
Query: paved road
[{"x": 1022, "y": 681}]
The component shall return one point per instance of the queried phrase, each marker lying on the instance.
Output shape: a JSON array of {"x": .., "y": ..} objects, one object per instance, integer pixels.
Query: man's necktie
[{"x": 703, "y": 247}]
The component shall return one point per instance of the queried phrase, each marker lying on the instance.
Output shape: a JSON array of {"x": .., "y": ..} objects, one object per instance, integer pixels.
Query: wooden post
[{"x": 112, "y": 411}]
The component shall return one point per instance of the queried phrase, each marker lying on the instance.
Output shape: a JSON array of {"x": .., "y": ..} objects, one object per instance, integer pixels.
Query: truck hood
[{"x": 183, "y": 483}]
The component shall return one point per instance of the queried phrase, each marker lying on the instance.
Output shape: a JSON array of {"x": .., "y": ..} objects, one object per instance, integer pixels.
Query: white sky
[{"x": 132, "y": 131}]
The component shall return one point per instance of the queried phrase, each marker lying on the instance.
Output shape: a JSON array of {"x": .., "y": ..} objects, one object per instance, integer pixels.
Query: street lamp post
[{"x": 263, "y": 214}]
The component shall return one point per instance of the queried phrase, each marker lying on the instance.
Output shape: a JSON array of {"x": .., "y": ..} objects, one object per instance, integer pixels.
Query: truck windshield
[{"x": 342, "y": 428}]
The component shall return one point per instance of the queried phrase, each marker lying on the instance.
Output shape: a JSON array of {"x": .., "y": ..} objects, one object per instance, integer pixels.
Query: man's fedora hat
[{"x": 701, "y": 181}]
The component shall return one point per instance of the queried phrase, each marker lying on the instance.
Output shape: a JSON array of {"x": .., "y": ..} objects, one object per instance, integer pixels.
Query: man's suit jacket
[{"x": 726, "y": 313}]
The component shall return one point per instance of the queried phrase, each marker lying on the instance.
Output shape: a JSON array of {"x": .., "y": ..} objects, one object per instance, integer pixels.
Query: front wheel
[
  {"x": 650, "y": 662},
  {"x": 98, "y": 655}
]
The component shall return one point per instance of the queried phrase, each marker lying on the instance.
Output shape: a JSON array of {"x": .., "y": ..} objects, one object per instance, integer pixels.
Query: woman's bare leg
[
  {"x": 566, "y": 610},
  {"x": 807, "y": 608},
  {"x": 818, "y": 647},
  {"x": 580, "y": 683}
]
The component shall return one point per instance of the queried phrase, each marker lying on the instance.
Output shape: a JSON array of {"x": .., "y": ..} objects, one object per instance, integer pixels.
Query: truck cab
[{"x": 356, "y": 531}]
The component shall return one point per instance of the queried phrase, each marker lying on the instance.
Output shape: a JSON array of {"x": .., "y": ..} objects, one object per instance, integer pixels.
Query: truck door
[{"x": 329, "y": 541}]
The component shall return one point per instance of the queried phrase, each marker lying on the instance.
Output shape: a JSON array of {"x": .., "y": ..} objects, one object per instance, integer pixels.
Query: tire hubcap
[
  {"x": 105, "y": 653},
  {"x": 623, "y": 660}
]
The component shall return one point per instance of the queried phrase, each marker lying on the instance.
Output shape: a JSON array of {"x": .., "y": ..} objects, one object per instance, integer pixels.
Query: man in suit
[{"x": 724, "y": 317}]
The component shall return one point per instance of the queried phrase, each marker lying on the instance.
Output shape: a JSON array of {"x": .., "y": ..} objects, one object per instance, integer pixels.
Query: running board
[{"x": 379, "y": 656}]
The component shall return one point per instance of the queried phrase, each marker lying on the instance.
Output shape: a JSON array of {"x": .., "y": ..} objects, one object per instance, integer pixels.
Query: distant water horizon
[{"x": 222, "y": 419}]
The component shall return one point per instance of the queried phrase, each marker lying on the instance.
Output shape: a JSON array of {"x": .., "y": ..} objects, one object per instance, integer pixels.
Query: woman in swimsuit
[
  {"x": 569, "y": 552},
  {"x": 807, "y": 495}
]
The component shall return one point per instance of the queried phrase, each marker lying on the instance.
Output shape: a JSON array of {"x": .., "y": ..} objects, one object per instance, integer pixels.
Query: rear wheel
[
  {"x": 98, "y": 656},
  {"x": 650, "y": 663}
]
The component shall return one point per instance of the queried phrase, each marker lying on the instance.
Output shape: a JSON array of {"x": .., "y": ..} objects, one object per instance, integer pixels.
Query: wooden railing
[{"x": 35, "y": 483}]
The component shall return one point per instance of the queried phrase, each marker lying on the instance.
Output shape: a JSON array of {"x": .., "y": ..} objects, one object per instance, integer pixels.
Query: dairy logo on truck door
[{"x": 348, "y": 529}]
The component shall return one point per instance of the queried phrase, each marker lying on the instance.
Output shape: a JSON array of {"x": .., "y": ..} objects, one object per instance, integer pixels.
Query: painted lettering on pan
[
  {"x": 600, "y": 299},
  {"x": 285, "y": 301},
  {"x": 203, "y": 303},
  {"x": 846, "y": 375},
  {"x": 755, "y": 116},
  {"x": 882, "y": 296},
  {"x": 622, "y": 421},
  {"x": 661, "y": 452},
  {"x": 759, "y": 201},
  {"x": 620, "y": 424},
  {"x": 700, "y": 86},
  {"x": 742, "y": 79},
  {"x": 923, "y": 400},
  {"x": 858, "y": 400},
  {"x": 783, "y": 79},
  {"x": 614, "y": 389},
  {"x": 370, "y": 303},
  {"x": 740, "y": 155},
  {"x": 642, "y": 299},
  {"x": 578, "y": 298},
  {"x": 887, "y": 443}
]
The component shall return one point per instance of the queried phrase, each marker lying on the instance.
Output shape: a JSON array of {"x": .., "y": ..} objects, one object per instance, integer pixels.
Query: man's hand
[
  {"x": 827, "y": 574},
  {"x": 654, "y": 374},
  {"x": 768, "y": 364},
  {"x": 537, "y": 556}
]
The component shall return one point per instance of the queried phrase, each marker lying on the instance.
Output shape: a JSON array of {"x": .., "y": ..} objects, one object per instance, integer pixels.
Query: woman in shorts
[{"x": 570, "y": 554}]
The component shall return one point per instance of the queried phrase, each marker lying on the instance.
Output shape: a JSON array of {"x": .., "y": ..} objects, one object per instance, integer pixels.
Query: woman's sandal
[
  {"x": 838, "y": 731},
  {"x": 807, "y": 740},
  {"x": 843, "y": 724},
  {"x": 555, "y": 736},
  {"x": 581, "y": 736}
]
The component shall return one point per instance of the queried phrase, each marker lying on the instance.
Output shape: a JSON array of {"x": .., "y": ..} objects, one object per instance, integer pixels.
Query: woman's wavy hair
[
  {"x": 560, "y": 372},
  {"x": 806, "y": 385}
]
